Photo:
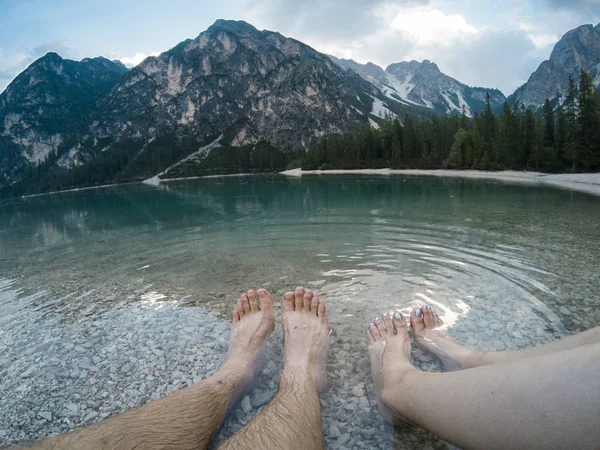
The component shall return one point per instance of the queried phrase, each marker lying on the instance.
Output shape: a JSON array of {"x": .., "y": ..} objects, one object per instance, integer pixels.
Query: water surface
[{"x": 506, "y": 266}]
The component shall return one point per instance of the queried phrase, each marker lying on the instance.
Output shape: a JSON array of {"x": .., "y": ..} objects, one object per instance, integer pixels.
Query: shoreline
[
  {"x": 588, "y": 183},
  {"x": 582, "y": 182}
]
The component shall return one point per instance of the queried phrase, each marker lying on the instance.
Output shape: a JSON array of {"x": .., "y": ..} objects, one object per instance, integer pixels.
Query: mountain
[
  {"x": 578, "y": 49},
  {"x": 250, "y": 94},
  {"x": 47, "y": 105},
  {"x": 423, "y": 84}
]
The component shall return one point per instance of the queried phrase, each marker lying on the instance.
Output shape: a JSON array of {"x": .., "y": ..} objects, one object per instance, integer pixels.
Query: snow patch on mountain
[{"x": 380, "y": 109}]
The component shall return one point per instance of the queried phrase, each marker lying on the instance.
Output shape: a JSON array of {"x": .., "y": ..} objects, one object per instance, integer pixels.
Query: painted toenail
[
  {"x": 398, "y": 316},
  {"x": 377, "y": 319},
  {"x": 386, "y": 315},
  {"x": 371, "y": 324},
  {"x": 419, "y": 313}
]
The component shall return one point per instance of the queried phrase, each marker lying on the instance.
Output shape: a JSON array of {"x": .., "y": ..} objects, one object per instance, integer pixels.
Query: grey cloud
[
  {"x": 496, "y": 59},
  {"x": 325, "y": 19},
  {"x": 578, "y": 6}
]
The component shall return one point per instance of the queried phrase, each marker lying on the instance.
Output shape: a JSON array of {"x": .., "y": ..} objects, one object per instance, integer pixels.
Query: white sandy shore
[{"x": 583, "y": 182}]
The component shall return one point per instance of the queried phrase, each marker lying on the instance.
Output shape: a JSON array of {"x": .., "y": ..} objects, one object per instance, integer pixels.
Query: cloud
[
  {"x": 581, "y": 6},
  {"x": 488, "y": 46},
  {"x": 320, "y": 19},
  {"x": 135, "y": 59}
]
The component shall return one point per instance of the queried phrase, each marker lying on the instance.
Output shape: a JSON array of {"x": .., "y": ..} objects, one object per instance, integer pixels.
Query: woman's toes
[
  {"x": 252, "y": 300},
  {"x": 314, "y": 304},
  {"x": 236, "y": 316},
  {"x": 308, "y": 295},
  {"x": 387, "y": 320},
  {"x": 437, "y": 319},
  {"x": 428, "y": 318},
  {"x": 299, "y": 299},
  {"x": 399, "y": 322},
  {"x": 374, "y": 331},
  {"x": 370, "y": 338},
  {"x": 416, "y": 320},
  {"x": 380, "y": 326}
]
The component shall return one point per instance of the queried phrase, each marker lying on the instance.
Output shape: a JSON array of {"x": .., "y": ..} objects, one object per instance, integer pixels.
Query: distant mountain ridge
[
  {"x": 231, "y": 87},
  {"x": 48, "y": 104},
  {"x": 578, "y": 49},
  {"x": 232, "y": 99},
  {"x": 423, "y": 84}
]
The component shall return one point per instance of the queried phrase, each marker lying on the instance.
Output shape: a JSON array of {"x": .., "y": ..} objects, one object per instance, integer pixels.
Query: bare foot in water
[
  {"x": 455, "y": 356},
  {"x": 389, "y": 352},
  {"x": 306, "y": 335},
  {"x": 253, "y": 322},
  {"x": 377, "y": 337}
]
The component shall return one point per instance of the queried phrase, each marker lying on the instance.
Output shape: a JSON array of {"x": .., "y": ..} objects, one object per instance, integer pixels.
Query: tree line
[{"x": 560, "y": 138}]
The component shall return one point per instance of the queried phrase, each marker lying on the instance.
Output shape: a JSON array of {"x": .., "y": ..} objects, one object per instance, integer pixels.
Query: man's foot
[
  {"x": 253, "y": 321},
  {"x": 455, "y": 356},
  {"x": 306, "y": 335},
  {"x": 377, "y": 337}
]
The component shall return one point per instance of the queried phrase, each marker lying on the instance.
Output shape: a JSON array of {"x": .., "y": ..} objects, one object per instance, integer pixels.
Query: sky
[{"x": 488, "y": 43}]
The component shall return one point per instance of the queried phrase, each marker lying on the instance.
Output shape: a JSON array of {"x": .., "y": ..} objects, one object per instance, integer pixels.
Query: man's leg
[
  {"x": 187, "y": 419},
  {"x": 292, "y": 421},
  {"x": 456, "y": 356},
  {"x": 545, "y": 401}
]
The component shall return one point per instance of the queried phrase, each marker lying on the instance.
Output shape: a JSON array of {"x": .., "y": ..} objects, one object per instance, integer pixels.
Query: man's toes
[
  {"x": 245, "y": 303},
  {"x": 240, "y": 306},
  {"x": 287, "y": 302},
  {"x": 299, "y": 299},
  {"x": 387, "y": 320},
  {"x": 380, "y": 326},
  {"x": 236, "y": 316},
  {"x": 308, "y": 296},
  {"x": 265, "y": 300},
  {"x": 322, "y": 311},
  {"x": 399, "y": 323},
  {"x": 416, "y": 320},
  {"x": 374, "y": 331},
  {"x": 428, "y": 318},
  {"x": 252, "y": 300},
  {"x": 314, "y": 304}
]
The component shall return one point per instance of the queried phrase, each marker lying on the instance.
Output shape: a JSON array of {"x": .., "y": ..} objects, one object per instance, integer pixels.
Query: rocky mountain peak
[
  {"x": 578, "y": 49},
  {"x": 424, "y": 84}
]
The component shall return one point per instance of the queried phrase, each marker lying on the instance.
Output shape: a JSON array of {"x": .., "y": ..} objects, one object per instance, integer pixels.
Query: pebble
[
  {"x": 261, "y": 398},
  {"x": 334, "y": 431},
  {"x": 246, "y": 406},
  {"x": 564, "y": 310},
  {"x": 46, "y": 415}
]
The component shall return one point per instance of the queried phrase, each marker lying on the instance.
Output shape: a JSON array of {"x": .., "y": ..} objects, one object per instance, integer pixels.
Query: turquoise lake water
[{"x": 507, "y": 266}]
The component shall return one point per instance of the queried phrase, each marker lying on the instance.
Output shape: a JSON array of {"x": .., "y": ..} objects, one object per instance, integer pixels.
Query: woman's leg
[
  {"x": 455, "y": 356},
  {"x": 545, "y": 401}
]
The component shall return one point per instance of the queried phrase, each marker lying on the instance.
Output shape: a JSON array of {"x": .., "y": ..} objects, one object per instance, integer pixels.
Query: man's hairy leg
[
  {"x": 293, "y": 419},
  {"x": 187, "y": 419}
]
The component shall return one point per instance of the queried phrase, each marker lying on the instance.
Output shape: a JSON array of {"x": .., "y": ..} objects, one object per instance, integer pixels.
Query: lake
[{"x": 115, "y": 296}]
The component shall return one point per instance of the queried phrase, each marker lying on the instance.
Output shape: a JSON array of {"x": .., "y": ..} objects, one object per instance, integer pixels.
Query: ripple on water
[{"x": 93, "y": 322}]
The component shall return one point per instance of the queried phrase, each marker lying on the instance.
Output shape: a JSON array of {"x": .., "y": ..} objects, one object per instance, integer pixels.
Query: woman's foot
[
  {"x": 377, "y": 337},
  {"x": 306, "y": 335},
  {"x": 455, "y": 356}
]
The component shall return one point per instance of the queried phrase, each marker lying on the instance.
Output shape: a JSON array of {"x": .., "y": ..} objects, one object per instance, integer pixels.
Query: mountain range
[{"x": 234, "y": 98}]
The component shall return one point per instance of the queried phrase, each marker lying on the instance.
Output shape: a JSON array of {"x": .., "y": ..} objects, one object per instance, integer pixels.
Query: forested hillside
[{"x": 563, "y": 139}]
